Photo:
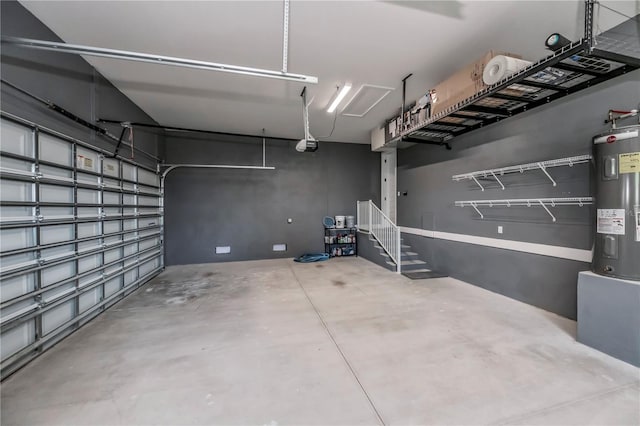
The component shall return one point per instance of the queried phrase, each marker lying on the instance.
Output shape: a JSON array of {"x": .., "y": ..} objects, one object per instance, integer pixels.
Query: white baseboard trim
[{"x": 569, "y": 253}]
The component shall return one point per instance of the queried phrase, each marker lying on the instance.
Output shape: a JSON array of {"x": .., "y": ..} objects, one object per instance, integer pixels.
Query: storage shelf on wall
[
  {"x": 527, "y": 202},
  {"x": 575, "y": 67},
  {"x": 521, "y": 168}
]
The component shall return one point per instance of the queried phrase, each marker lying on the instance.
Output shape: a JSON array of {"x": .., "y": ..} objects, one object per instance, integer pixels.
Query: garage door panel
[
  {"x": 148, "y": 211},
  {"x": 130, "y": 277},
  {"x": 148, "y": 243},
  {"x": 13, "y": 239},
  {"x": 55, "y": 150},
  {"x": 16, "y": 214},
  {"x": 111, "y": 198},
  {"x": 89, "y": 229},
  {"x": 130, "y": 249},
  {"x": 129, "y": 211},
  {"x": 14, "y": 190},
  {"x": 56, "y": 194},
  {"x": 89, "y": 279},
  {"x": 91, "y": 245},
  {"x": 112, "y": 211},
  {"x": 112, "y": 286},
  {"x": 89, "y": 299},
  {"x": 129, "y": 224},
  {"x": 149, "y": 266},
  {"x": 111, "y": 167},
  {"x": 113, "y": 270},
  {"x": 129, "y": 172},
  {"x": 88, "y": 179},
  {"x": 88, "y": 196},
  {"x": 18, "y": 261},
  {"x": 56, "y": 213},
  {"x": 59, "y": 292},
  {"x": 112, "y": 255},
  {"x": 57, "y": 273},
  {"x": 145, "y": 177},
  {"x": 56, "y": 173},
  {"x": 57, "y": 316},
  {"x": 17, "y": 338},
  {"x": 56, "y": 253},
  {"x": 87, "y": 263},
  {"x": 88, "y": 212},
  {"x": 56, "y": 233},
  {"x": 148, "y": 232},
  {"x": 112, "y": 226},
  {"x": 148, "y": 201},
  {"x": 17, "y": 139},
  {"x": 11, "y": 288},
  {"x": 88, "y": 160},
  {"x": 149, "y": 189},
  {"x": 68, "y": 247}
]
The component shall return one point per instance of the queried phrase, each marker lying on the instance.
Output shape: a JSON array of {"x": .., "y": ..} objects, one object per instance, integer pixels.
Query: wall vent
[{"x": 365, "y": 99}]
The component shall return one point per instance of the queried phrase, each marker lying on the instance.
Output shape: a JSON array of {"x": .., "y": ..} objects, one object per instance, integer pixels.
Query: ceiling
[{"x": 372, "y": 42}]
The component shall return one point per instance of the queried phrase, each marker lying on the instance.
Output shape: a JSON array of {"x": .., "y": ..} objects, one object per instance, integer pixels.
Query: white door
[{"x": 388, "y": 183}]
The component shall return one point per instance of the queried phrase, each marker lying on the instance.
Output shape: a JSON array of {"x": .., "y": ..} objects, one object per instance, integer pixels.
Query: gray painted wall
[
  {"x": 367, "y": 249},
  {"x": 248, "y": 209},
  {"x": 557, "y": 130},
  {"x": 66, "y": 80}
]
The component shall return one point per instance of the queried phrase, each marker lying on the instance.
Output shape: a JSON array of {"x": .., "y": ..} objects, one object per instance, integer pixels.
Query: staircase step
[
  {"x": 409, "y": 254},
  {"x": 411, "y": 265},
  {"x": 413, "y": 262}
]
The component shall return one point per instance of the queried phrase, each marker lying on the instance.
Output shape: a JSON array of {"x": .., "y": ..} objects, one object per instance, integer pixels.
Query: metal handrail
[{"x": 373, "y": 220}]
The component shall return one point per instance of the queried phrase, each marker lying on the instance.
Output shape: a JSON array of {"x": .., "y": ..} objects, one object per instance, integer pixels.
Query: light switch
[{"x": 499, "y": 229}]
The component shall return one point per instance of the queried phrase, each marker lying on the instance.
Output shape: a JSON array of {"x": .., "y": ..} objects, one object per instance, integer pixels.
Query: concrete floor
[{"x": 340, "y": 342}]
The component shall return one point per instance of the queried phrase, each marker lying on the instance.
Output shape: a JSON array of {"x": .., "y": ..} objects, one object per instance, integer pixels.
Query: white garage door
[{"x": 79, "y": 230}]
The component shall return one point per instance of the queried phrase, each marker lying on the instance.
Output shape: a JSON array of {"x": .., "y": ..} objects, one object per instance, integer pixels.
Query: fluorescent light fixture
[
  {"x": 341, "y": 94},
  {"x": 154, "y": 59}
]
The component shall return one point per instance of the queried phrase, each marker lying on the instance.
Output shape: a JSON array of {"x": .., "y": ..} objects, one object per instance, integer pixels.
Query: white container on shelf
[
  {"x": 350, "y": 221},
  {"x": 340, "y": 222}
]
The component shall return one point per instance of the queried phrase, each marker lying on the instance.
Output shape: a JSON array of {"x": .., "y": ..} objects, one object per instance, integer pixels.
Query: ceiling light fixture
[
  {"x": 154, "y": 59},
  {"x": 339, "y": 97}
]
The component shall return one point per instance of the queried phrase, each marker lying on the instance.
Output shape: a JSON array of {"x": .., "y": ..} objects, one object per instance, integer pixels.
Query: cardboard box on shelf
[
  {"x": 464, "y": 83},
  {"x": 392, "y": 129}
]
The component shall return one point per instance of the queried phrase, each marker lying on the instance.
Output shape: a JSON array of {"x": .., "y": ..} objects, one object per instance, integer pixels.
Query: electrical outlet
[{"x": 499, "y": 229}]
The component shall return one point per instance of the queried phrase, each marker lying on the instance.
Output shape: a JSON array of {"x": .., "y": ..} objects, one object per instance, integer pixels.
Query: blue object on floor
[{"x": 312, "y": 257}]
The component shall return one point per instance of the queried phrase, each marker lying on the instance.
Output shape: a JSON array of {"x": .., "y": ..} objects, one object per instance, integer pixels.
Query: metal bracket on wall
[{"x": 527, "y": 202}]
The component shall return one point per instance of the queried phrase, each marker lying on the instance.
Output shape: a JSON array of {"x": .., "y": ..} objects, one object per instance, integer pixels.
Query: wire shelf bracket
[
  {"x": 545, "y": 203},
  {"x": 521, "y": 168}
]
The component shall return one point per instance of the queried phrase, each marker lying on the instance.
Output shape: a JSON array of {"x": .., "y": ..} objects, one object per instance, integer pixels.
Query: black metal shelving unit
[
  {"x": 577, "y": 66},
  {"x": 340, "y": 242}
]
